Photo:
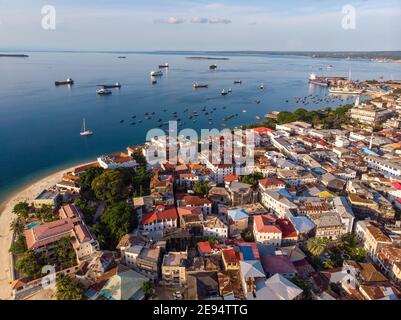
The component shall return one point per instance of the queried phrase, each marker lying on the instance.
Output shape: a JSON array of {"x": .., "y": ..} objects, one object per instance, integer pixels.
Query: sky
[{"x": 147, "y": 25}]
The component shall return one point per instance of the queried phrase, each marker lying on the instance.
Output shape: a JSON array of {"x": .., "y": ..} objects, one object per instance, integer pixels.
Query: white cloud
[
  {"x": 219, "y": 20},
  {"x": 170, "y": 20},
  {"x": 210, "y": 20},
  {"x": 199, "y": 20}
]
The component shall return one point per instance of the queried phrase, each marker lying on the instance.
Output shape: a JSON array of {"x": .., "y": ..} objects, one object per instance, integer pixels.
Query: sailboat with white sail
[{"x": 84, "y": 131}]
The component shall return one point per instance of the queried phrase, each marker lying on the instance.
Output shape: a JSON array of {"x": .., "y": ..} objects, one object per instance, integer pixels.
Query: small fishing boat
[
  {"x": 84, "y": 131},
  {"x": 161, "y": 66},
  {"x": 224, "y": 92},
  {"x": 262, "y": 86},
  {"x": 237, "y": 81},
  {"x": 156, "y": 73},
  {"x": 213, "y": 67},
  {"x": 199, "y": 85},
  {"x": 103, "y": 92}
]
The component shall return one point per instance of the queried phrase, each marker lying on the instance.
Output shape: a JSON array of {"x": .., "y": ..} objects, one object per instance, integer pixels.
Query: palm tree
[
  {"x": 17, "y": 226},
  {"x": 316, "y": 246}
]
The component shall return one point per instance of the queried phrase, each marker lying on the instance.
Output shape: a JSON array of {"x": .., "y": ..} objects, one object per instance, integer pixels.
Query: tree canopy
[
  {"x": 21, "y": 209},
  {"x": 68, "y": 288},
  {"x": 110, "y": 186},
  {"x": 28, "y": 265},
  {"x": 116, "y": 221},
  {"x": 201, "y": 187},
  {"x": 86, "y": 178},
  {"x": 252, "y": 179}
]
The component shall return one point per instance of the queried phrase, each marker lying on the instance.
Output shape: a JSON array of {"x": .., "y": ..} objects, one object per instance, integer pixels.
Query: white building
[
  {"x": 271, "y": 199},
  {"x": 117, "y": 160},
  {"x": 388, "y": 167},
  {"x": 215, "y": 227},
  {"x": 161, "y": 219},
  {"x": 264, "y": 231}
]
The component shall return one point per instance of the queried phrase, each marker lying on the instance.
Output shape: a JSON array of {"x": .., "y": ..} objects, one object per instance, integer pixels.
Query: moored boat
[
  {"x": 197, "y": 85},
  {"x": 84, "y": 131},
  {"x": 213, "y": 67},
  {"x": 67, "y": 81},
  {"x": 103, "y": 92},
  {"x": 156, "y": 73}
]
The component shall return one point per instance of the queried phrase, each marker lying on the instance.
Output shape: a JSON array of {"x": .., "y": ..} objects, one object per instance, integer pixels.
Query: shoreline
[{"x": 25, "y": 193}]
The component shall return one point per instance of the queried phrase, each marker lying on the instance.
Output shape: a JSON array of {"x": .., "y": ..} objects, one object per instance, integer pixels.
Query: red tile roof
[
  {"x": 287, "y": 228},
  {"x": 268, "y": 182},
  {"x": 191, "y": 200},
  {"x": 266, "y": 223},
  {"x": 183, "y": 211},
  {"x": 230, "y": 256},
  {"x": 204, "y": 247},
  {"x": 231, "y": 177},
  {"x": 262, "y": 130},
  {"x": 169, "y": 213}
]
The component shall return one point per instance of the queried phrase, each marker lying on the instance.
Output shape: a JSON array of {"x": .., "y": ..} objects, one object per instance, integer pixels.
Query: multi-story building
[
  {"x": 390, "y": 167},
  {"x": 277, "y": 202},
  {"x": 215, "y": 227},
  {"x": 43, "y": 238},
  {"x": 117, "y": 160},
  {"x": 174, "y": 268},
  {"x": 266, "y": 231},
  {"x": 163, "y": 218},
  {"x": 242, "y": 193}
]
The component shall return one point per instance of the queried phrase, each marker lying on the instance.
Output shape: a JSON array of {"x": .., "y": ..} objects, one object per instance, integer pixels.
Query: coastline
[{"x": 25, "y": 193}]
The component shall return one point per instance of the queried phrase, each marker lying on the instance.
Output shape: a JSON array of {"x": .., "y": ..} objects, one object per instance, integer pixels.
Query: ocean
[{"x": 40, "y": 123}]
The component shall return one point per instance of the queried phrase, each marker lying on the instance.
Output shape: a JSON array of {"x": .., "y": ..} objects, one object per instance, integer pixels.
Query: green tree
[
  {"x": 349, "y": 245},
  {"x": 307, "y": 293},
  {"x": 45, "y": 213},
  {"x": 201, "y": 188},
  {"x": 328, "y": 264},
  {"x": 68, "y": 288},
  {"x": 64, "y": 253},
  {"x": 18, "y": 246},
  {"x": 247, "y": 236},
  {"x": 21, "y": 209},
  {"x": 116, "y": 221},
  {"x": 17, "y": 226},
  {"x": 139, "y": 157},
  {"x": 86, "y": 178},
  {"x": 110, "y": 186},
  {"x": 28, "y": 265},
  {"x": 88, "y": 208},
  {"x": 316, "y": 246},
  {"x": 252, "y": 179},
  {"x": 147, "y": 288}
]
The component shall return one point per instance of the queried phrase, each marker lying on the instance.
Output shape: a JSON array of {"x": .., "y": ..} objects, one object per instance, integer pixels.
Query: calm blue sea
[{"x": 40, "y": 123}]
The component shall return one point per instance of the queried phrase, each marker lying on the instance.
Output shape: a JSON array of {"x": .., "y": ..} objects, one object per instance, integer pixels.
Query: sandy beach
[{"x": 6, "y": 217}]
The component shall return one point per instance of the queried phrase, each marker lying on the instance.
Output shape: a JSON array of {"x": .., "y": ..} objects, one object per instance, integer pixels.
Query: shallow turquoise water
[{"x": 40, "y": 123}]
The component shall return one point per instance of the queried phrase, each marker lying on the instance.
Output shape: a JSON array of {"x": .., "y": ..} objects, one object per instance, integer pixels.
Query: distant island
[
  {"x": 207, "y": 58},
  {"x": 13, "y": 55}
]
